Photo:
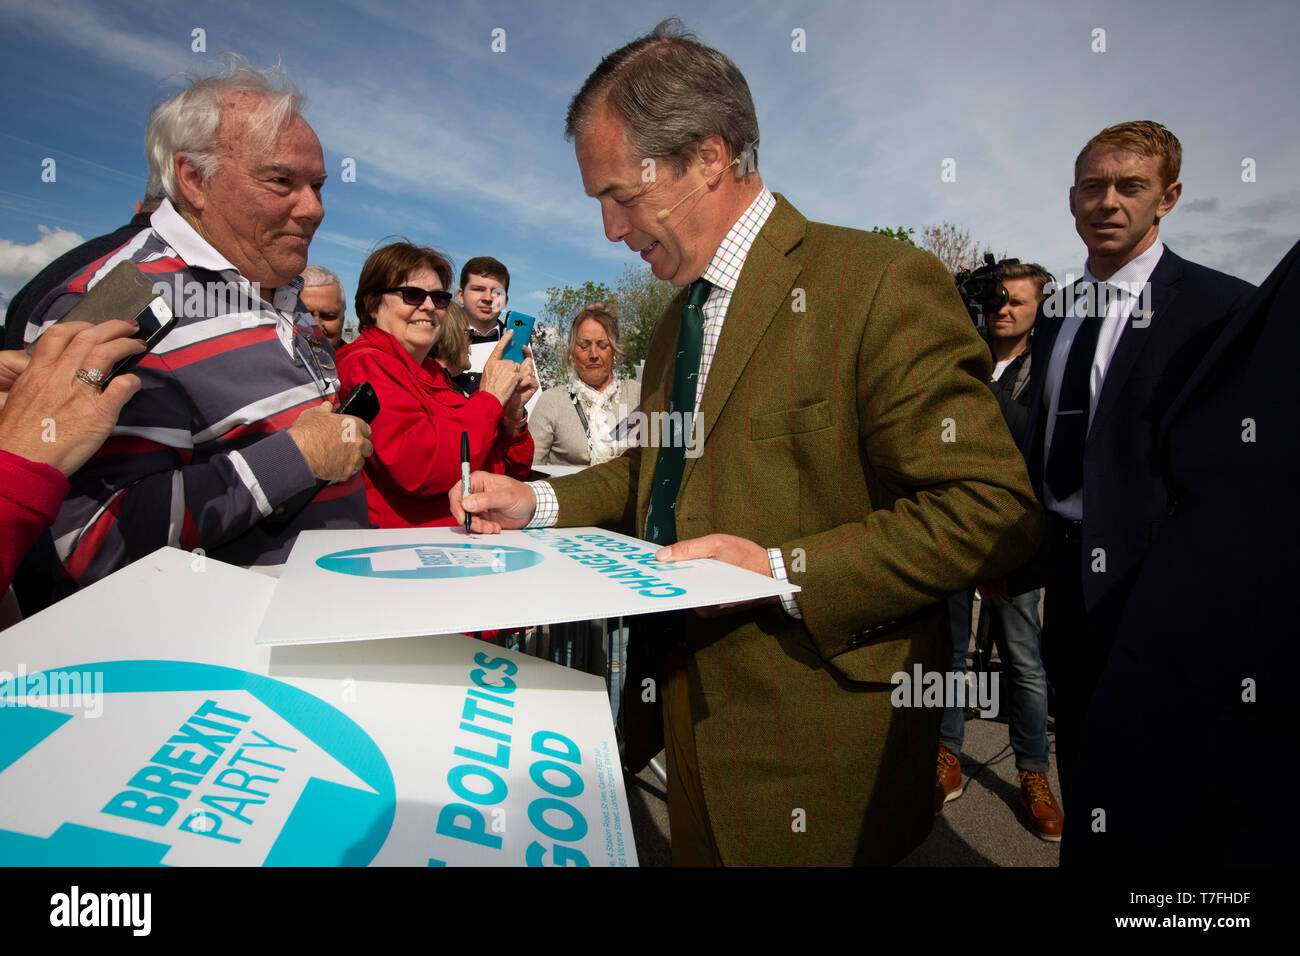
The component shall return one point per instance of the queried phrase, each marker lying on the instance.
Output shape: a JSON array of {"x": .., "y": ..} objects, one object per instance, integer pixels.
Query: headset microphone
[{"x": 665, "y": 213}]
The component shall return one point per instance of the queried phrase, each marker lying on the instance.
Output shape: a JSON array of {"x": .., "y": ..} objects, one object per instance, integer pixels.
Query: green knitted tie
[{"x": 661, "y": 518}]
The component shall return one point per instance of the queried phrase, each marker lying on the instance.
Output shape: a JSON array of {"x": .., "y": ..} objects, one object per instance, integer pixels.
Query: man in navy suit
[
  {"x": 1114, "y": 349},
  {"x": 1208, "y": 635}
]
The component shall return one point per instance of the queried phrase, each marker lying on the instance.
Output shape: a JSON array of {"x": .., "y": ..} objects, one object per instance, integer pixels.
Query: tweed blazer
[{"x": 846, "y": 420}]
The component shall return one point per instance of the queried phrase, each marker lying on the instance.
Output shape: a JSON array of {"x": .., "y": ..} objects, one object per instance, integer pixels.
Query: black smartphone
[
  {"x": 361, "y": 402},
  {"x": 155, "y": 321}
]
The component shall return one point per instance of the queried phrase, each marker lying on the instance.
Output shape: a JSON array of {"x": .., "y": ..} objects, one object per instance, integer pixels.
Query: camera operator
[
  {"x": 1006, "y": 296},
  {"x": 1009, "y": 330}
]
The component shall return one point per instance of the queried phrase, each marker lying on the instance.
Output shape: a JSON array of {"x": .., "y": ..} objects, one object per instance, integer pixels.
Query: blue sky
[{"x": 461, "y": 147}]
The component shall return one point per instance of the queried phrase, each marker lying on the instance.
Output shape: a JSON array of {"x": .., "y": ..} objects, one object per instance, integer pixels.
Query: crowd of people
[
  {"x": 401, "y": 301},
  {"x": 909, "y": 466}
]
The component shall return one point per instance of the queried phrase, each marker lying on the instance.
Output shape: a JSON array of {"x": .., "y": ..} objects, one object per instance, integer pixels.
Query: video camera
[{"x": 982, "y": 291}]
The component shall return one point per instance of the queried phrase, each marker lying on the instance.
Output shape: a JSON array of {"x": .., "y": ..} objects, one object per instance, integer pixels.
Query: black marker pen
[{"x": 464, "y": 474}]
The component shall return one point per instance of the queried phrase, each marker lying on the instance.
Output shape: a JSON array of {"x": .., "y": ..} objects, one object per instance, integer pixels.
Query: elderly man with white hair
[
  {"x": 322, "y": 296},
  {"x": 233, "y": 423}
]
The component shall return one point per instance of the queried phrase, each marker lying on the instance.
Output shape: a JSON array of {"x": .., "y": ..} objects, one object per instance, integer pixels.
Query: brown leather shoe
[
  {"x": 1045, "y": 815},
  {"x": 948, "y": 782}
]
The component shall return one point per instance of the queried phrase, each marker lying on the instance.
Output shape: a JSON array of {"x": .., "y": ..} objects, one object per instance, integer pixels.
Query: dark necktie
[
  {"x": 661, "y": 518},
  {"x": 1065, "y": 457}
]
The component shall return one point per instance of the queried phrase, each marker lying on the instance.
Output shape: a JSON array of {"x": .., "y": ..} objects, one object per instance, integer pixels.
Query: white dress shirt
[{"x": 1130, "y": 280}]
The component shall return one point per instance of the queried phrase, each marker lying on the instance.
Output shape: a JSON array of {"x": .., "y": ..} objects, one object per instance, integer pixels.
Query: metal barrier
[{"x": 596, "y": 647}]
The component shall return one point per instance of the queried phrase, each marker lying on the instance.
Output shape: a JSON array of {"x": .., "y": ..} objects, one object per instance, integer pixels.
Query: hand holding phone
[
  {"x": 48, "y": 391},
  {"x": 500, "y": 376},
  {"x": 125, "y": 292},
  {"x": 361, "y": 402}
]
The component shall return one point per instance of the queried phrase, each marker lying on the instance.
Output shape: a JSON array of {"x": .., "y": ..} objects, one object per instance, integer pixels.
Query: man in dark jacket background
[{"x": 1013, "y": 620}]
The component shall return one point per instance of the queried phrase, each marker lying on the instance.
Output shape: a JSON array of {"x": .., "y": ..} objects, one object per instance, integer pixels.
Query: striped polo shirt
[{"x": 200, "y": 454}]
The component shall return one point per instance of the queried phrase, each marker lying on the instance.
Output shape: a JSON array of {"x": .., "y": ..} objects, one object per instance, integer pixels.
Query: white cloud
[
  {"x": 348, "y": 242},
  {"x": 89, "y": 30},
  {"x": 19, "y": 262}
]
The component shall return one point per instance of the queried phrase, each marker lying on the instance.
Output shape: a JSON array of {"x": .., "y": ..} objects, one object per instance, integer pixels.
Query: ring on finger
[{"x": 92, "y": 377}]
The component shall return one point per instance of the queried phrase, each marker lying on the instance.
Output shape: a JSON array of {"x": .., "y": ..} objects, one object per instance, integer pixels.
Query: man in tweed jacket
[{"x": 850, "y": 445}]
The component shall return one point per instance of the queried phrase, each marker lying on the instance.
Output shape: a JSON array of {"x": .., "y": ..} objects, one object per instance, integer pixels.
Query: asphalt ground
[{"x": 986, "y": 826}]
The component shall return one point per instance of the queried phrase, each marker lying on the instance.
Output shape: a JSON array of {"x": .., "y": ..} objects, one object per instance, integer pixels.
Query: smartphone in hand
[
  {"x": 522, "y": 326},
  {"x": 361, "y": 402},
  {"x": 125, "y": 292},
  {"x": 155, "y": 320}
]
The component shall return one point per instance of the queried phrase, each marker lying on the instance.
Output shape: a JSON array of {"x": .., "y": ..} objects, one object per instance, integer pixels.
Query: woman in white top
[{"x": 574, "y": 424}]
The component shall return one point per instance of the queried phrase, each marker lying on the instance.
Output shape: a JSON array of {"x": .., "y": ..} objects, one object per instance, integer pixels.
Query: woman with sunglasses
[{"x": 401, "y": 303}]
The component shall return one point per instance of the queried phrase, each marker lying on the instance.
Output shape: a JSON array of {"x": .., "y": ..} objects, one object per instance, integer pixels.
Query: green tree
[
  {"x": 638, "y": 296},
  {"x": 902, "y": 233},
  {"x": 641, "y": 299}
]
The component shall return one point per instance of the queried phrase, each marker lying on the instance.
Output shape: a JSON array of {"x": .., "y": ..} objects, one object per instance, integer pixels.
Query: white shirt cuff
[
  {"x": 548, "y": 509},
  {"x": 778, "y": 571}
]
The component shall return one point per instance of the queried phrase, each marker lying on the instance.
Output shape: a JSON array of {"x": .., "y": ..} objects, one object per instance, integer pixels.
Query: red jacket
[
  {"x": 417, "y": 433},
  {"x": 30, "y": 496}
]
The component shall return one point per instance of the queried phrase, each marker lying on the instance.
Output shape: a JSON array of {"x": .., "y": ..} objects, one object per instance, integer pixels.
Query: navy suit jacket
[
  {"x": 1124, "y": 493},
  {"x": 1192, "y": 715}
]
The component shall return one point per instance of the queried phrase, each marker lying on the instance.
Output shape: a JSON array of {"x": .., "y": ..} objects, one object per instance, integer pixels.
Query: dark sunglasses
[{"x": 413, "y": 295}]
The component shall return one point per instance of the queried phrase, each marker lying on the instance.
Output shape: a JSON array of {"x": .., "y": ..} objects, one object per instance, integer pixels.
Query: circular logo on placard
[
  {"x": 146, "y": 763},
  {"x": 429, "y": 560}
]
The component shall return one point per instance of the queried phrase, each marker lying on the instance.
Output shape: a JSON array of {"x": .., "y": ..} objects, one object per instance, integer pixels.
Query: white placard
[
  {"x": 140, "y": 725},
  {"x": 480, "y": 352},
  {"x": 559, "y": 471},
  {"x": 415, "y": 582}
]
